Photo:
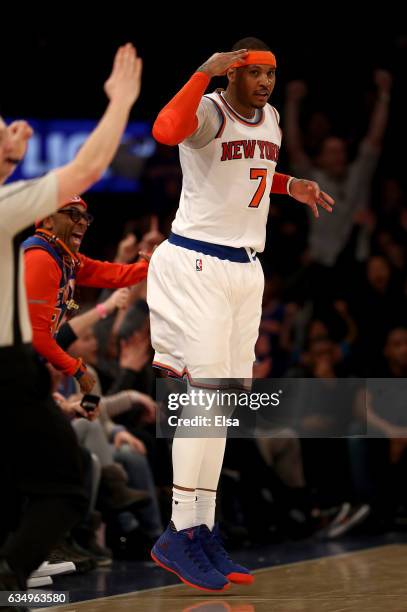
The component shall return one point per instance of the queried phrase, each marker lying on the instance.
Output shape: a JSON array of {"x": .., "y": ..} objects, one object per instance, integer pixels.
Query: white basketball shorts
[{"x": 204, "y": 312}]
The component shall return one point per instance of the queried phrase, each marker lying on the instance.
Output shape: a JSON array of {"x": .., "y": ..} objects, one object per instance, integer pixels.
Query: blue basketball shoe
[
  {"x": 181, "y": 552},
  {"x": 217, "y": 555}
]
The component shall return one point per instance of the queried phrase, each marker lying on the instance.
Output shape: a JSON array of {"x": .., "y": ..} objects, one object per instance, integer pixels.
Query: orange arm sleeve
[
  {"x": 42, "y": 277},
  {"x": 106, "y": 275},
  {"x": 178, "y": 119}
]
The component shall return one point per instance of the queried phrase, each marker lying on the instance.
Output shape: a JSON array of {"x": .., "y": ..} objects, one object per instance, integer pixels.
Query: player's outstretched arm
[{"x": 178, "y": 119}]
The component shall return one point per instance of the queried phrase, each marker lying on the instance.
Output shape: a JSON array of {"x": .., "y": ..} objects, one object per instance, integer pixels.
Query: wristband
[
  {"x": 101, "y": 310},
  {"x": 290, "y": 180},
  {"x": 81, "y": 369}
]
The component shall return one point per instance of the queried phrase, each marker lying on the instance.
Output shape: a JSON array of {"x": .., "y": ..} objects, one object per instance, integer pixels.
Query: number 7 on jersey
[{"x": 255, "y": 174}]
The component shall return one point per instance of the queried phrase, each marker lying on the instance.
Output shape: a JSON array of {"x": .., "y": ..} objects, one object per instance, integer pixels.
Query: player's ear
[{"x": 231, "y": 75}]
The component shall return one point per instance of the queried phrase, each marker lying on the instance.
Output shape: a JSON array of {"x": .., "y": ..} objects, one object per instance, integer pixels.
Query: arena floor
[{"x": 365, "y": 574}]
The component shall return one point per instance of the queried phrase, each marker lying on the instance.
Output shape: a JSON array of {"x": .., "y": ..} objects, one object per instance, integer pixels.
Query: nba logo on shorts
[{"x": 198, "y": 265}]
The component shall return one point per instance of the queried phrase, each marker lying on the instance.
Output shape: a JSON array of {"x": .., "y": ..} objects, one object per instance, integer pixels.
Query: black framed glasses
[{"x": 76, "y": 215}]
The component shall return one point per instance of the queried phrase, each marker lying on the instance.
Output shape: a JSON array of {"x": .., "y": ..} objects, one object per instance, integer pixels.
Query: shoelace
[
  {"x": 194, "y": 552},
  {"x": 216, "y": 544}
]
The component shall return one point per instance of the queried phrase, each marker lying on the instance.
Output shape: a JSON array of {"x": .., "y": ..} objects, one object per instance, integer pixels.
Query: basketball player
[{"x": 205, "y": 283}]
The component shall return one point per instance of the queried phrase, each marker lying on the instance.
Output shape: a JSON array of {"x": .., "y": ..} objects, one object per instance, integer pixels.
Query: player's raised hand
[
  {"x": 309, "y": 193},
  {"x": 218, "y": 63},
  {"x": 124, "y": 81}
]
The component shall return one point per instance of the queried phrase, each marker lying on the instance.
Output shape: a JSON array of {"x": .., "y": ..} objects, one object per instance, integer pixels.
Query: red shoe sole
[
  {"x": 194, "y": 586},
  {"x": 240, "y": 578}
]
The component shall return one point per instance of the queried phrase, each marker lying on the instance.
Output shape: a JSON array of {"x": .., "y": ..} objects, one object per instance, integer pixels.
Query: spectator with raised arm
[{"x": 348, "y": 182}]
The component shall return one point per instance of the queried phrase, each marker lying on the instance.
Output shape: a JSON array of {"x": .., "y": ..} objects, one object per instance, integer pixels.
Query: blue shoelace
[
  {"x": 196, "y": 554},
  {"x": 215, "y": 544}
]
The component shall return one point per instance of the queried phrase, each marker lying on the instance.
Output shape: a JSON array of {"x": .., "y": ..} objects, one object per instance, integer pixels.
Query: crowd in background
[{"x": 334, "y": 308}]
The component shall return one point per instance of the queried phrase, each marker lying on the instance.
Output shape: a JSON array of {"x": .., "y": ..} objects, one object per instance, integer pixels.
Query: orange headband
[{"x": 257, "y": 57}]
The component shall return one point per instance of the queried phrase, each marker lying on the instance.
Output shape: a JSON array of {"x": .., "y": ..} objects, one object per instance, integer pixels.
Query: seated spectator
[{"x": 53, "y": 265}]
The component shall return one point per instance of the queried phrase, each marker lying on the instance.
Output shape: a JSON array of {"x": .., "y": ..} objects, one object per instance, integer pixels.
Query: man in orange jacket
[{"x": 53, "y": 266}]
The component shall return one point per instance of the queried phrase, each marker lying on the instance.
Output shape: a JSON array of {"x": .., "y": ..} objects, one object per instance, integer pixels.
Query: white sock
[
  {"x": 183, "y": 508},
  {"x": 205, "y": 508}
]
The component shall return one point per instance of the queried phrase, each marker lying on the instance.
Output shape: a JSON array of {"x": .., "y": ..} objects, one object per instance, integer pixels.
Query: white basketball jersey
[{"x": 226, "y": 184}]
